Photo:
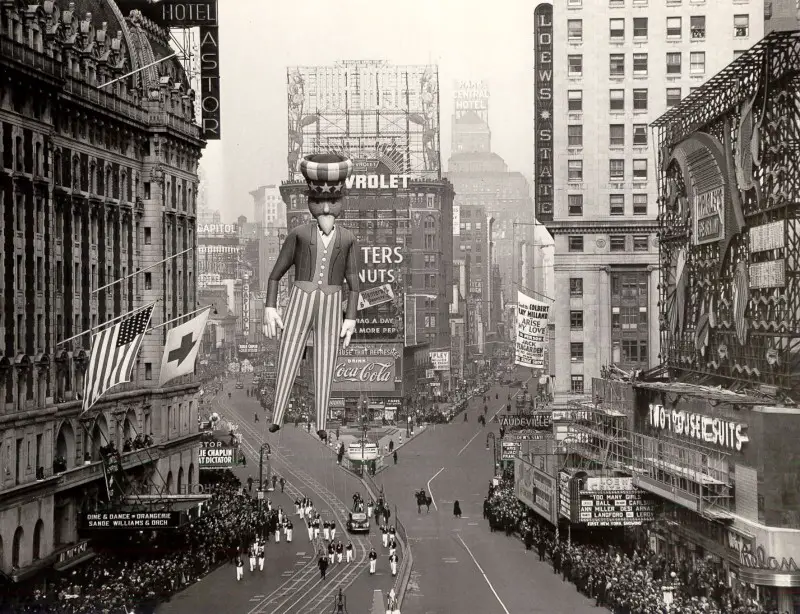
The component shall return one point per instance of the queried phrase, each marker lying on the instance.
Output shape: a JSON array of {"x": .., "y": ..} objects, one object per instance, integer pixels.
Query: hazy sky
[{"x": 258, "y": 40}]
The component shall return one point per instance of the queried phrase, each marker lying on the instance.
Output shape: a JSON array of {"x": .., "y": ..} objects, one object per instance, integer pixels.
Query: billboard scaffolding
[{"x": 377, "y": 114}]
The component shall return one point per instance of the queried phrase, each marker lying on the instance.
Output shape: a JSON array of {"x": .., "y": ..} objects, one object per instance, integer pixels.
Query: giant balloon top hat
[{"x": 326, "y": 175}]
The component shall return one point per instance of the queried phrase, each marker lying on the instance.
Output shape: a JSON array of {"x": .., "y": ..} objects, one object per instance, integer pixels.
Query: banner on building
[
  {"x": 375, "y": 296},
  {"x": 456, "y": 220},
  {"x": 368, "y": 367},
  {"x": 531, "y": 341},
  {"x": 510, "y": 450},
  {"x": 440, "y": 360}
]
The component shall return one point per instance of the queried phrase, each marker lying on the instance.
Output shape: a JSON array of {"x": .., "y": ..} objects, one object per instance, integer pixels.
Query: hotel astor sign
[{"x": 543, "y": 122}]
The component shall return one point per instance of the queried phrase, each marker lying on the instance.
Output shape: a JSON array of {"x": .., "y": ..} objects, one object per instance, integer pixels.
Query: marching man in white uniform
[
  {"x": 261, "y": 557},
  {"x": 385, "y": 536},
  {"x": 326, "y": 531},
  {"x": 349, "y": 552},
  {"x": 289, "y": 531},
  {"x": 252, "y": 556},
  {"x": 310, "y": 525},
  {"x": 392, "y": 547},
  {"x": 373, "y": 561},
  {"x": 393, "y": 563},
  {"x": 333, "y": 529},
  {"x": 239, "y": 567}
]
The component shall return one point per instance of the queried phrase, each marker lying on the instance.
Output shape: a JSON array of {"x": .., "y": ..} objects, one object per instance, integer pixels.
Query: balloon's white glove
[
  {"x": 272, "y": 322},
  {"x": 348, "y": 328}
]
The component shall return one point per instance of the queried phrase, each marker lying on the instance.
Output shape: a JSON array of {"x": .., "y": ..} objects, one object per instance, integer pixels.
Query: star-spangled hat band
[{"x": 325, "y": 175}]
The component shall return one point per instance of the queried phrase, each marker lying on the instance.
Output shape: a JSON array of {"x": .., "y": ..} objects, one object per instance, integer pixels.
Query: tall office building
[
  {"x": 597, "y": 89},
  {"x": 94, "y": 185}
]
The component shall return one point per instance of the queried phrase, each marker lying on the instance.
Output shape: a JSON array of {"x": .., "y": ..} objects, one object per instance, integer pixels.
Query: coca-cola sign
[{"x": 364, "y": 373}]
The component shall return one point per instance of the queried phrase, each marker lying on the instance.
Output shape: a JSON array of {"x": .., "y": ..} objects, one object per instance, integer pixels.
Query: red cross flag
[{"x": 180, "y": 350}]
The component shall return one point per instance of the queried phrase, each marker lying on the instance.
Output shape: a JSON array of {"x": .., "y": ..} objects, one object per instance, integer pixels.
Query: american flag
[{"x": 114, "y": 351}]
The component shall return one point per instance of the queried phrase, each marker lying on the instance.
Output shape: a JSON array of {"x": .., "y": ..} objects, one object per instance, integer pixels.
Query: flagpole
[
  {"x": 185, "y": 315},
  {"x": 519, "y": 285},
  {"x": 137, "y": 271},
  {"x": 107, "y": 322}
]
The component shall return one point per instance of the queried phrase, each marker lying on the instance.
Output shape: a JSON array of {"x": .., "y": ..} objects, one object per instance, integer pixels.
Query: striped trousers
[{"x": 323, "y": 313}]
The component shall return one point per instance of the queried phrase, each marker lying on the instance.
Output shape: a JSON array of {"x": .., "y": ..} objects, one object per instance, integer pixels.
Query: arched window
[
  {"x": 38, "y": 530},
  {"x": 169, "y": 483},
  {"x": 180, "y": 481},
  {"x": 16, "y": 547}
]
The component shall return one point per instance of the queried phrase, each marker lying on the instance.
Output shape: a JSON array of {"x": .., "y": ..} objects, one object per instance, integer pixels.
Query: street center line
[
  {"x": 483, "y": 573},
  {"x": 466, "y": 445},
  {"x": 430, "y": 492}
]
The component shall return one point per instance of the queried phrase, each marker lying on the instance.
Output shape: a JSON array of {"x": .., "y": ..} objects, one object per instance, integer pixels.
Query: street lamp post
[
  {"x": 493, "y": 437},
  {"x": 264, "y": 446}
]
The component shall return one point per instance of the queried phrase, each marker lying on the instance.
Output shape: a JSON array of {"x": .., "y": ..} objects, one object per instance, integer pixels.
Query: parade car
[
  {"x": 357, "y": 522},
  {"x": 239, "y": 385}
]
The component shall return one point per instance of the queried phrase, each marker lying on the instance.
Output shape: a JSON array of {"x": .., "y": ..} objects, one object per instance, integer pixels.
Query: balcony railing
[
  {"x": 104, "y": 99},
  {"x": 83, "y": 474},
  {"x": 31, "y": 58},
  {"x": 178, "y": 123}
]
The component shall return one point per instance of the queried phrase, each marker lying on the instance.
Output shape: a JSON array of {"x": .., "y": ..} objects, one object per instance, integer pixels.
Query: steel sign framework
[
  {"x": 729, "y": 230},
  {"x": 373, "y": 112}
]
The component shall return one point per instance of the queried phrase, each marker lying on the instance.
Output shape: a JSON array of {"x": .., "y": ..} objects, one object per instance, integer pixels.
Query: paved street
[
  {"x": 290, "y": 583},
  {"x": 446, "y": 577}
]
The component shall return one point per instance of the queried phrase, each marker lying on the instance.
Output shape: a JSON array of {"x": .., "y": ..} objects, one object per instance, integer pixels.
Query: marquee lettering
[
  {"x": 543, "y": 91},
  {"x": 758, "y": 559},
  {"x": 708, "y": 429}
]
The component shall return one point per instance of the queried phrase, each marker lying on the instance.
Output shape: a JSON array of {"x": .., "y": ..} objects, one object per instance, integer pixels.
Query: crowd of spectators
[
  {"x": 137, "y": 571},
  {"x": 624, "y": 580}
]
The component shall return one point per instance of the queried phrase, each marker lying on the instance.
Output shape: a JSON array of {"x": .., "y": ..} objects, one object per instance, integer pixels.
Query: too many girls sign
[{"x": 531, "y": 332}]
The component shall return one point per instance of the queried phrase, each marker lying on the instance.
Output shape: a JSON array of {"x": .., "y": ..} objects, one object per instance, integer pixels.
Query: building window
[
  {"x": 697, "y": 26},
  {"x": 148, "y": 235},
  {"x": 697, "y": 62},
  {"x": 575, "y": 30},
  {"x": 576, "y": 320},
  {"x": 617, "y": 243},
  {"x": 575, "y": 63},
  {"x": 640, "y": 135},
  {"x": 575, "y": 135},
  {"x": 673, "y": 96},
  {"x": 616, "y": 100},
  {"x": 741, "y": 26},
  {"x": 639, "y": 28},
  {"x": 673, "y": 27},
  {"x": 616, "y": 64},
  {"x": 616, "y": 29},
  {"x": 616, "y": 204},
  {"x": 640, "y": 243},
  {"x": 148, "y": 370},
  {"x": 640, "y": 100},
  {"x": 576, "y": 351},
  {"x": 616, "y": 170},
  {"x": 576, "y": 287},
  {"x": 639, "y": 64},
  {"x": 575, "y": 243},
  {"x": 640, "y": 169},
  {"x": 575, "y": 170},
  {"x": 576, "y": 384},
  {"x": 674, "y": 63},
  {"x": 575, "y": 204},
  {"x": 616, "y": 135},
  {"x": 575, "y": 100},
  {"x": 640, "y": 204}
]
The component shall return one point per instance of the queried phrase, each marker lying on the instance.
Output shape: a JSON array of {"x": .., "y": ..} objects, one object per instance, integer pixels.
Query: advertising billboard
[
  {"x": 625, "y": 508},
  {"x": 220, "y": 452},
  {"x": 371, "y": 111},
  {"x": 535, "y": 488},
  {"x": 440, "y": 360},
  {"x": 368, "y": 367},
  {"x": 532, "y": 332}
]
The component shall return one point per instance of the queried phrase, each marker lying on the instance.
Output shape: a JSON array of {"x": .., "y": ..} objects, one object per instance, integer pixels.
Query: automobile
[
  {"x": 357, "y": 522},
  {"x": 239, "y": 385}
]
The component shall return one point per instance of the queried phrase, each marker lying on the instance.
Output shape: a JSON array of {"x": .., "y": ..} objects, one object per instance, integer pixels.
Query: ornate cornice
[{"x": 627, "y": 226}]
